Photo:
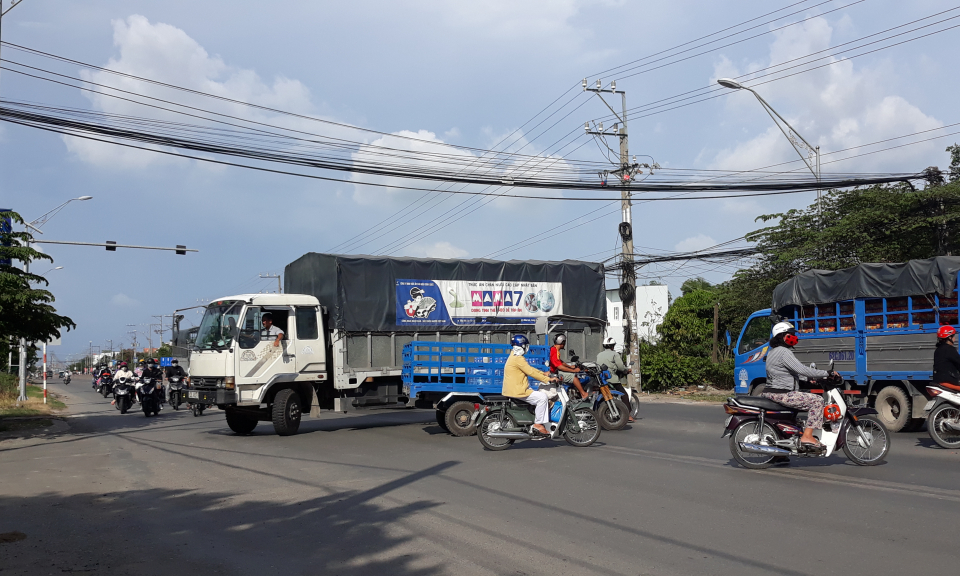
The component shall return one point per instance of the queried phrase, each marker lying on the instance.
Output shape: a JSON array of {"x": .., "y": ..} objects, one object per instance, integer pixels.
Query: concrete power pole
[
  {"x": 625, "y": 173},
  {"x": 277, "y": 276}
]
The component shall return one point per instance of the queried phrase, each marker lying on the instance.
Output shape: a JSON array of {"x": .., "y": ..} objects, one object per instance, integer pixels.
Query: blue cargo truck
[{"x": 877, "y": 322}]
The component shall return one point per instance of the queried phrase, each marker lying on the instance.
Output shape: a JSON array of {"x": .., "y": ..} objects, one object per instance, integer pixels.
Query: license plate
[
  {"x": 929, "y": 405},
  {"x": 193, "y": 394}
]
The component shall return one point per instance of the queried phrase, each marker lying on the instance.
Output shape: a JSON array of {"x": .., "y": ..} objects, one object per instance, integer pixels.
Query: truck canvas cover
[
  {"x": 913, "y": 278},
  {"x": 385, "y": 294}
]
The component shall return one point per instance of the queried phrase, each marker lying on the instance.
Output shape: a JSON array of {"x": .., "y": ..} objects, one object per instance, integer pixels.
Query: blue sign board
[
  {"x": 5, "y": 228},
  {"x": 166, "y": 362}
]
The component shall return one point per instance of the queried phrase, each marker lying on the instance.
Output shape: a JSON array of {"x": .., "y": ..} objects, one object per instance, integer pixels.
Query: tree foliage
[{"x": 25, "y": 311}]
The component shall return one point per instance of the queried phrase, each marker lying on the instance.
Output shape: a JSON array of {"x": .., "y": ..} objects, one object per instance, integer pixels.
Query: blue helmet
[{"x": 520, "y": 340}]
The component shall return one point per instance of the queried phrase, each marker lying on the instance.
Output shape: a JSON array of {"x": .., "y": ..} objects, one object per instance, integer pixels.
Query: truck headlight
[{"x": 230, "y": 383}]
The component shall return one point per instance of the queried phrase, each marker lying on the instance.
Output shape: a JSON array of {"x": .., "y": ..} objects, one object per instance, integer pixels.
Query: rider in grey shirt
[{"x": 783, "y": 381}]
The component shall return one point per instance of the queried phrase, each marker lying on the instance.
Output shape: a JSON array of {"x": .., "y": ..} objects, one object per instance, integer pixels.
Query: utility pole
[
  {"x": 277, "y": 276},
  {"x": 626, "y": 173},
  {"x": 716, "y": 323}
]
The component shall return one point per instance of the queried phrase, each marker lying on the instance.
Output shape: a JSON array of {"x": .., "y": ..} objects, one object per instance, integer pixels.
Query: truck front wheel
[
  {"x": 286, "y": 412},
  {"x": 239, "y": 423},
  {"x": 893, "y": 406}
]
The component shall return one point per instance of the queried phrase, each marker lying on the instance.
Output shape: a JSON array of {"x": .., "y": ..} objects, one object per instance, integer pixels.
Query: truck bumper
[{"x": 211, "y": 397}]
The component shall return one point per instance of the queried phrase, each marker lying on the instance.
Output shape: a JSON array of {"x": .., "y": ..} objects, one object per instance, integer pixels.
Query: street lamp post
[
  {"x": 796, "y": 140},
  {"x": 36, "y": 224}
]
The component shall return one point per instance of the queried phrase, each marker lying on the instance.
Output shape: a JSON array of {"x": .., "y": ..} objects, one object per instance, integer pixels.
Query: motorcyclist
[
  {"x": 615, "y": 366},
  {"x": 139, "y": 369},
  {"x": 559, "y": 369},
  {"x": 123, "y": 372},
  {"x": 153, "y": 371},
  {"x": 515, "y": 384},
  {"x": 174, "y": 370},
  {"x": 783, "y": 381},
  {"x": 946, "y": 359}
]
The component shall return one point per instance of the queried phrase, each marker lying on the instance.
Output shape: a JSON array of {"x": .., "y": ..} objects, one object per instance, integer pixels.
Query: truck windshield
[
  {"x": 219, "y": 325},
  {"x": 755, "y": 334}
]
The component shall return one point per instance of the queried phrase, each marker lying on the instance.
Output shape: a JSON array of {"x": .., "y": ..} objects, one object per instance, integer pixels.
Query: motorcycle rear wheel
[
  {"x": 492, "y": 422},
  {"x": 872, "y": 449},
  {"x": 943, "y": 436},
  {"x": 748, "y": 432},
  {"x": 589, "y": 428},
  {"x": 605, "y": 415}
]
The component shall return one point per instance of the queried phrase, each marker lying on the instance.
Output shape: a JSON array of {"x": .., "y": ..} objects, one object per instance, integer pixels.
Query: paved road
[{"x": 389, "y": 493}]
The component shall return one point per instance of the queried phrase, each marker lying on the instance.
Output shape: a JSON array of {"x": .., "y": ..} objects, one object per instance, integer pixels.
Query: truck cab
[
  {"x": 750, "y": 369},
  {"x": 237, "y": 364}
]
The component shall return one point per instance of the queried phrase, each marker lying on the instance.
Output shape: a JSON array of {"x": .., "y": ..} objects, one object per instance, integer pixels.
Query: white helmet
[
  {"x": 608, "y": 341},
  {"x": 781, "y": 327}
]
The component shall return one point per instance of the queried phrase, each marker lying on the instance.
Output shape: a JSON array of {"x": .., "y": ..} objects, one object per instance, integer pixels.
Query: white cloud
[
  {"x": 694, "y": 243},
  {"x": 168, "y": 54},
  {"x": 123, "y": 301},
  {"x": 836, "y": 107},
  {"x": 442, "y": 249}
]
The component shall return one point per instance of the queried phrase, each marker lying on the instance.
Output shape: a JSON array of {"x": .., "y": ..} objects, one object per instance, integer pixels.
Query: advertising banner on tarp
[{"x": 471, "y": 302}]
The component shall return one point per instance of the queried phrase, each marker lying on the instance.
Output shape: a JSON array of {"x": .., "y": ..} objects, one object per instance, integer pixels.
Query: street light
[
  {"x": 794, "y": 137},
  {"x": 35, "y": 224},
  {"x": 51, "y": 270}
]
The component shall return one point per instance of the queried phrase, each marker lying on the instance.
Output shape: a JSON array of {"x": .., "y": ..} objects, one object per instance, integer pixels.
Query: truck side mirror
[{"x": 541, "y": 326}]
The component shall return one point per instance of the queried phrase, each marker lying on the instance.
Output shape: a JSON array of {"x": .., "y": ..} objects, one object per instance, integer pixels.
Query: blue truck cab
[{"x": 882, "y": 346}]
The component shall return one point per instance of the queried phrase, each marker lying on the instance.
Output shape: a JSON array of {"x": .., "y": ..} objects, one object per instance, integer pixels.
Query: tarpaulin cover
[
  {"x": 914, "y": 278},
  {"x": 360, "y": 292}
]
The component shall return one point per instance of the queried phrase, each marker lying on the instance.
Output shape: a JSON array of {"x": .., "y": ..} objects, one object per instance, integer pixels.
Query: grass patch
[
  {"x": 34, "y": 406},
  {"x": 8, "y": 425},
  {"x": 707, "y": 397}
]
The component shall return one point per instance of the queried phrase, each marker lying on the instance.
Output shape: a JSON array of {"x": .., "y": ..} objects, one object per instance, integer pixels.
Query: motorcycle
[
  {"x": 123, "y": 394},
  {"x": 943, "y": 416},
  {"x": 762, "y": 431},
  {"x": 175, "y": 396},
  {"x": 148, "y": 391},
  {"x": 609, "y": 404},
  {"x": 105, "y": 384},
  {"x": 66, "y": 380},
  {"x": 502, "y": 421}
]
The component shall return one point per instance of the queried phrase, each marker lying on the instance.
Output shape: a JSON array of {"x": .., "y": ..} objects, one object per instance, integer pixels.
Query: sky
[{"x": 463, "y": 73}]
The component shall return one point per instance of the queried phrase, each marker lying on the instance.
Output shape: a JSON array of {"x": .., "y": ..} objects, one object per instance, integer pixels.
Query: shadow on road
[{"x": 194, "y": 532}]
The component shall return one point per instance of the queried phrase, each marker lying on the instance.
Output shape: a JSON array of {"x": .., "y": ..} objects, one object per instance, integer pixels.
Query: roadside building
[{"x": 652, "y": 304}]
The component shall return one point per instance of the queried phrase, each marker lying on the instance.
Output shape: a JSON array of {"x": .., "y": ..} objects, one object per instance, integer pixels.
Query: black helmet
[{"x": 174, "y": 362}]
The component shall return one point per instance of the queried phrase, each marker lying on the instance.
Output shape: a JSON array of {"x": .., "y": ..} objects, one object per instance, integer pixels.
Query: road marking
[{"x": 824, "y": 477}]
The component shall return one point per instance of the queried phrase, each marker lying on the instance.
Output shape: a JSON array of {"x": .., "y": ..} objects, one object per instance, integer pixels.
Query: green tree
[
  {"x": 25, "y": 311},
  {"x": 954, "y": 173}
]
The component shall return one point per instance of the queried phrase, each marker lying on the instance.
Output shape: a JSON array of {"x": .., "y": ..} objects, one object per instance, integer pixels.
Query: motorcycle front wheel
[
  {"x": 494, "y": 422},
  {"x": 867, "y": 442},
  {"x": 936, "y": 426},
  {"x": 607, "y": 419},
  {"x": 589, "y": 425},
  {"x": 749, "y": 433}
]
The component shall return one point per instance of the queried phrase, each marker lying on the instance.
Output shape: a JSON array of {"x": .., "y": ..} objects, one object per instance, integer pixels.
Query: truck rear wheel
[
  {"x": 459, "y": 419},
  {"x": 239, "y": 423},
  {"x": 286, "y": 412},
  {"x": 893, "y": 405}
]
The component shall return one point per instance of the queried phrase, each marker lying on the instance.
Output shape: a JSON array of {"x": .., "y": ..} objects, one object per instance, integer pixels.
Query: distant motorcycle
[
  {"x": 123, "y": 391},
  {"x": 148, "y": 390},
  {"x": 175, "y": 396},
  {"x": 943, "y": 416},
  {"x": 66, "y": 380},
  {"x": 105, "y": 384}
]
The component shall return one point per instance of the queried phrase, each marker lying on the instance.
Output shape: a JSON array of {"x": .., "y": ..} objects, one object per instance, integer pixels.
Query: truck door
[
  {"x": 259, "y": 359},
  {"x": 752, "y": 349},
  {"x": 310, "y": 352}
]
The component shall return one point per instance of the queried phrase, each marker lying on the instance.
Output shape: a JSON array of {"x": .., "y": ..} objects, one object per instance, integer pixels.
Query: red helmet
[{"x": 946, "y": 331}]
